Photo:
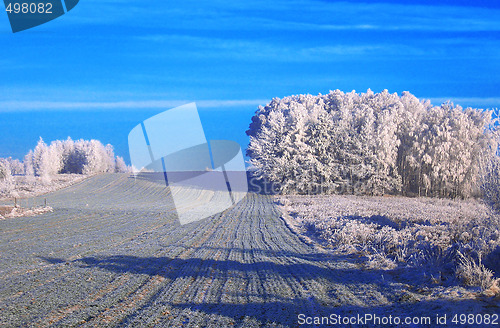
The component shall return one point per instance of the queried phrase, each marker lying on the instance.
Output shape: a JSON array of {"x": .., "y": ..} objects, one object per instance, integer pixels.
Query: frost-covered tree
[
  {"x": 73, "y": 157},
  {"x": 16, "y": 166},
  {"x": 99, "y": 158},
  {"x": 55, "y": 157},
  {"x": 490, "y": 167},
  {"x": 491, "y": 182},
  {"x": 29, "y": 167},
  {"x": 370, "y": 143},
  {"x": 409, "y": 119},
  {"x": 446, "y": 149},
  {"x": 68, "y": 156},
  {"x": 5, "y": 171},
  {"x": 6, "y": 180},
  {"x": 120, "y": 166},
  {"x": 13, "y": 166},
  {"x": 41, "y": 160}
]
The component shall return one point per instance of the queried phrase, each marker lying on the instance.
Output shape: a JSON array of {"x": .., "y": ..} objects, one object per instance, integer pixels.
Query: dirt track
[{"x": 112, "y": 254}]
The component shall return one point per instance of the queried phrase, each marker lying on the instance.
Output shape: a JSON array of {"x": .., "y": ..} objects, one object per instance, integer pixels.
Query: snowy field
[
  {"x": 448, "y": 242},
  {"x": 112, "y": 254}
]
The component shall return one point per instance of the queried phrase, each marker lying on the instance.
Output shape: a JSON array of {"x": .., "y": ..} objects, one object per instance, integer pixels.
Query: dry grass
[
  {"x": 7, "y": 212},
  {"x": 5, "y": 209},
  {"x": 442, "y": 235}
]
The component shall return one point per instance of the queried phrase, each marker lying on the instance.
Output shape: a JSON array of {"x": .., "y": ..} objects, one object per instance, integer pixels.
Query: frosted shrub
[
  {"x": 427, "y": 254},
  {"x": 379, "y": 261},
  {"x": 474, "y": 273},
  {"x": 345, "y": 232},
  {"x": 28, "y": 186},
  {"x": 390, "y": 231}
]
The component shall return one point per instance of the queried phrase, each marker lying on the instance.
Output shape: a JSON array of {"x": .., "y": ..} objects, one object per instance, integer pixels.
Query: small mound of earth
[
  {"x": 9, "y": 211},
  {"x": 4, "y": 210}
]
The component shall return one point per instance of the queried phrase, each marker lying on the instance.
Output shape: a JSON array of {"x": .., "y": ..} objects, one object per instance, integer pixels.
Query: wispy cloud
[
  {"x": 123, "y": 49},
  {"x": 11, "y": 106},
  {"x": 254, "y": 50},
  {"x": 266, "y": 15}
]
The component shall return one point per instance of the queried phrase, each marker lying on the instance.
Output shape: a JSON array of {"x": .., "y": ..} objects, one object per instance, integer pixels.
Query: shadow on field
[
  {"x": 298, "y": 313},
  {"x": 248, "y": 302},
  {"x": 313, "y": 257},
  {"x": 174, "y": 268}
]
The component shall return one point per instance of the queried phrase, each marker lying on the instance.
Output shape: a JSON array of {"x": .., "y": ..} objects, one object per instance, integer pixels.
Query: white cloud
[
  {"x": 11, "y": 106},
  {"x": 287, "y": 15},
  {"x": 204, "y": 47}
]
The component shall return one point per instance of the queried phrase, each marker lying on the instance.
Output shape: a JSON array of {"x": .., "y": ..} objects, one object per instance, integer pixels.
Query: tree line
[
  {"x": 64, "y": 156},
  {"x": 373, "y": 143}
]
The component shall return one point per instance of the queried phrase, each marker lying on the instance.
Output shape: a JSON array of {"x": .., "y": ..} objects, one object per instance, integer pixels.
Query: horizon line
[{"x": 29, "y": 106}]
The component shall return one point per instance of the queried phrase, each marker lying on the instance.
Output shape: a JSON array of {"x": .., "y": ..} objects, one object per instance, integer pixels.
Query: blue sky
[{"x": 143, "y": 57}]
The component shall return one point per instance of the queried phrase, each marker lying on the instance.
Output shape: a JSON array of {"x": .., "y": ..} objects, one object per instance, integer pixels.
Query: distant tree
[
  {"x": 41, "y": 159},
  {"x": 5, "y": 172},
  {"x": 120, "y": 166},
  {"x": 55, "y": 157},
  {"x": 491, "y": 182},
  {"x": 68, "y": 156},
  {"x": 73, "y": 157},
  {"x": 14, "y": 166},
  {"x": 99, "y": 159},
  {"x": 29, "y": 166},
  {"x": 7, "y": 183},
  {"x": 490, "y": 167}
]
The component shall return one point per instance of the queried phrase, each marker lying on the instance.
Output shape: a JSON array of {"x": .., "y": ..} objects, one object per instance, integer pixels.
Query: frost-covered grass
[
  {"x": 17, "y": 211},
  {"x": 22, "y": 186},
  {"x": 458, "y": 240}
]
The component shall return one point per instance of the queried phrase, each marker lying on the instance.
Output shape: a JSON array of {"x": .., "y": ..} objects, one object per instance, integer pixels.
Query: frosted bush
[
  {"x": 398, "y": 230},
  {"x": 379, "y": 261},
  {"x": 474, "y": 274},
  {"x": 28, "y": 186}
]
